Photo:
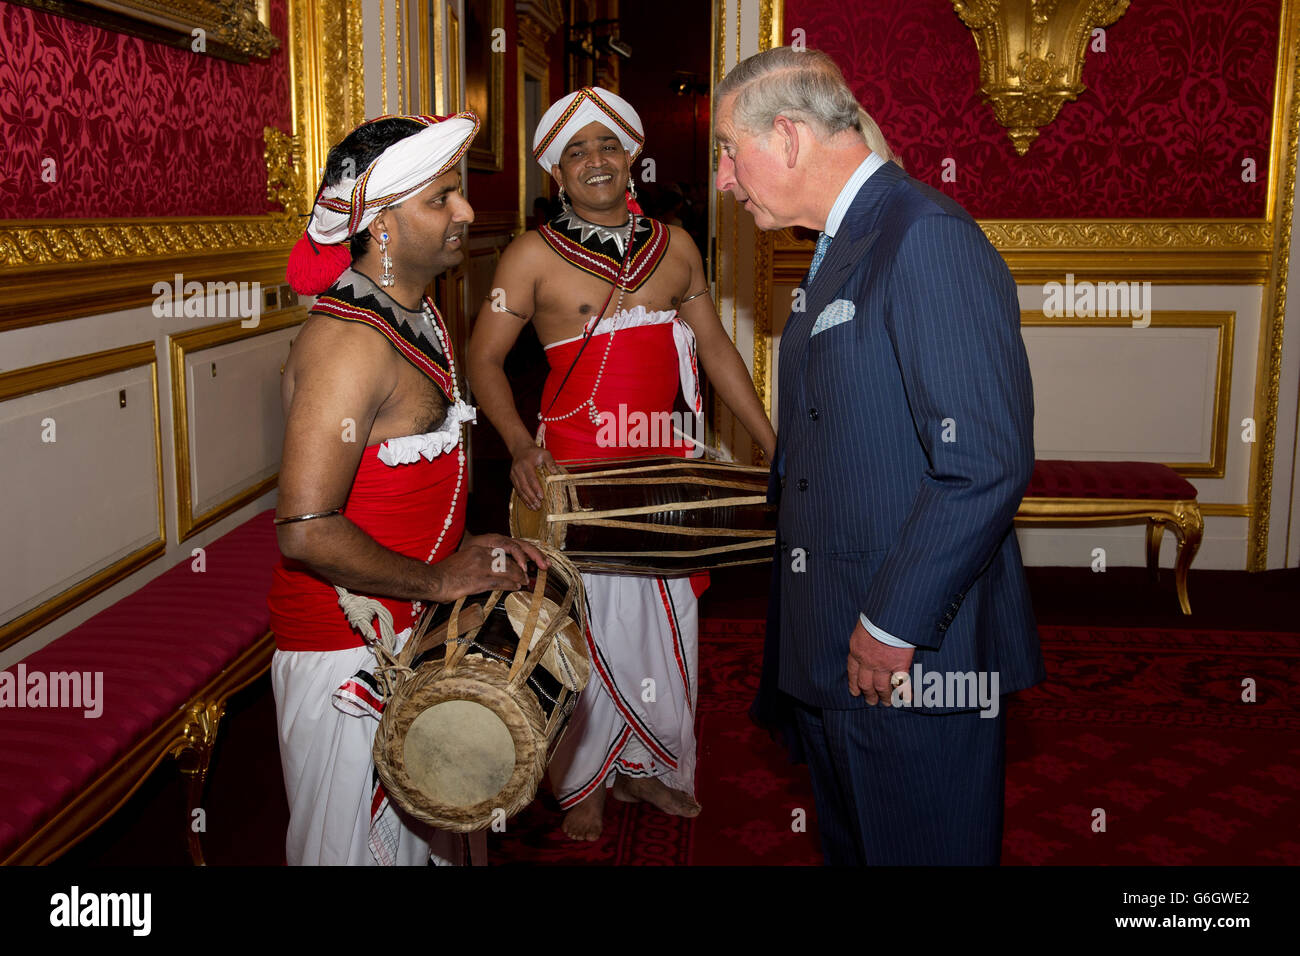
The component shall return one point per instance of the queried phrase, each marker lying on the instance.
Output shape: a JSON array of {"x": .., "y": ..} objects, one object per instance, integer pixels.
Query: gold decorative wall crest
[{"x": 1031, "y": 56}]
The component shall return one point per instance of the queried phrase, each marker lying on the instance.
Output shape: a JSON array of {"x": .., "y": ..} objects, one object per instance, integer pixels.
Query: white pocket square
[{"x": 841, "y": 310}]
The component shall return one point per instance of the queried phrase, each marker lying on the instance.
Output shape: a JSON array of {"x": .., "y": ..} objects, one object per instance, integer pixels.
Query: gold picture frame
[
  {"x": 485, "y": 82},
  {"x": 235, "y": 30}
]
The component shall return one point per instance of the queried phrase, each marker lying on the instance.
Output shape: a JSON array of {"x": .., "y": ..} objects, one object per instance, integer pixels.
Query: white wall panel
[
  {"x": 73, "y": 506},
  {"x": 236, "y": 421},
  {"x": 1123, "y": 394}
]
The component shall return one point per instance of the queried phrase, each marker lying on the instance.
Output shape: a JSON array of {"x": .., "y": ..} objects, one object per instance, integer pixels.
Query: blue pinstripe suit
[{"x": 905, "y": 443}]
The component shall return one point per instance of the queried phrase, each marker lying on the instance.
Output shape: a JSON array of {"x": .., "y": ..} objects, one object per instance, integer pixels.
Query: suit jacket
[{"x": 905, "y": 446}]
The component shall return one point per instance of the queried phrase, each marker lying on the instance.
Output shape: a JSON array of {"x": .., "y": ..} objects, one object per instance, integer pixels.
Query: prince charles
[{"x": 905, "y": 443}]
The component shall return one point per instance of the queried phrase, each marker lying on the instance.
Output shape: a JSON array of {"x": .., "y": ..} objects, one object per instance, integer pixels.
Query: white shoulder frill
[{"x": 409, "y": 448}]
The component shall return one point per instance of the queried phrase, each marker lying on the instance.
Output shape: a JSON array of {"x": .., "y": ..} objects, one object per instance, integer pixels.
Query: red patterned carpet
[{"x": 1145, "y": 724}]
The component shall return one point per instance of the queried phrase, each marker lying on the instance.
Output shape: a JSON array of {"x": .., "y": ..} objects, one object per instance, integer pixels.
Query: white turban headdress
[
  {"x": 401, "y": 170},
  {"x": 591, "y": 104}
]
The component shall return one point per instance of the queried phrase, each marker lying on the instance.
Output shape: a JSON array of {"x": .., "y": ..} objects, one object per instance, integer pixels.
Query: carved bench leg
[
  {"x": 1189, "y": 526},
  {"x": 193, "y": 755},
  {"x": 1155, "y": 533}
]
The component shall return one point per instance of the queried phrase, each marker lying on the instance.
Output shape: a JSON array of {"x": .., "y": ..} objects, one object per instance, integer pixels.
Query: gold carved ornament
[
  {"x": 1031, "y": 56},
  {"x": 285, "y": 182}
]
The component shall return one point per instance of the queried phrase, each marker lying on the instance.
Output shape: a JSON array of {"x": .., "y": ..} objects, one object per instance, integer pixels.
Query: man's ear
[
  {"x": 378, "y": 226},
  {"x": 555, "y": 174},
  {"x": 788, "y": 134}
]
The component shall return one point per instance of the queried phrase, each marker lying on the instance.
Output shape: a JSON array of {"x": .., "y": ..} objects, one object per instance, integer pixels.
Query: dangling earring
[
  {"x": 631, "y": 189},
  {"x": 633, "y": 206},
  {"x": 387, "y": 279},
  {"x": 564, "y": 199}
]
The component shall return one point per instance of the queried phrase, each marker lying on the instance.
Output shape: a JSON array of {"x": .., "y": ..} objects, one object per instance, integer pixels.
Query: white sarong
[
  {"x": 637, "y": 713},
  {"x": 328, "y": 771}
]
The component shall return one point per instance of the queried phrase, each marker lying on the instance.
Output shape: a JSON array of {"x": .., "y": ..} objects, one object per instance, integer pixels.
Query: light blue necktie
[{"x": 823, "y": 243}]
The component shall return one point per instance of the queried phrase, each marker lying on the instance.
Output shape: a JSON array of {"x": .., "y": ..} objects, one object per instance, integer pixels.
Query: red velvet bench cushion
[
  {"x": 157, "y": 648},
  {"x": 1131, "y": 480}
]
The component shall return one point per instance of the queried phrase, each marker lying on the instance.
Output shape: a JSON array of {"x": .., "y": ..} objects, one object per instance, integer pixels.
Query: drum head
[{"x": 459, "y": 753}]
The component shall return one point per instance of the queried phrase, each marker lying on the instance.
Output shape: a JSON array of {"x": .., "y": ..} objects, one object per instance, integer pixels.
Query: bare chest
[
  {"x": 415, "y": 406},
  {"x": 566, "y": 297}
]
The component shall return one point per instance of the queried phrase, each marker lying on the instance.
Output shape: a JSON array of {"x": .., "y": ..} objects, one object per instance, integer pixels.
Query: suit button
[
  {"x": 812, "y": 413},
  {"x": 803, "y": 484}
]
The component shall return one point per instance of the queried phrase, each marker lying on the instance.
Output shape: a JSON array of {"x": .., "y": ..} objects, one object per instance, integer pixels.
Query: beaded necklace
[
  {"x": 590, "y": 403},
  {"x": 431, "y": 314}
]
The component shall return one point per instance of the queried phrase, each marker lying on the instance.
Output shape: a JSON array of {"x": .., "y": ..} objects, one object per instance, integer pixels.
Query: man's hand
[
  {"x": 478, "y": 566},
  {"x": 523, "y": 473},
  {"x": 871, "y": 664},
  {"x": 522, "y": 551}
]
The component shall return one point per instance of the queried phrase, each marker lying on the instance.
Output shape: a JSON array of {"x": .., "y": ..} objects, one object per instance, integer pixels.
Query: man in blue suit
[{"x": 905, "y": 443}]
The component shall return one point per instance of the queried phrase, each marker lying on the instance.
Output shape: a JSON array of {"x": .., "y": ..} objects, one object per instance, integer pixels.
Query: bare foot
[
  {"x": 656, "y": 793},
  {"x": 587, "y": 819}
]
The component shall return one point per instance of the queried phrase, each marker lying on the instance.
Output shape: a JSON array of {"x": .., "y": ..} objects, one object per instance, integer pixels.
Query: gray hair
[{"x": 804, "y": 85}]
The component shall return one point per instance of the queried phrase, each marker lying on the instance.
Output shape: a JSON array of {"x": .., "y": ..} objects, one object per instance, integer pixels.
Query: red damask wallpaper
[
  {"x": 1182, "y": 95},
  {"x": 135, "y": 128}
]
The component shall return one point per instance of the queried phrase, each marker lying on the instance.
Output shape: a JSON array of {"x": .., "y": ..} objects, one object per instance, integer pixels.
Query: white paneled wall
[
  {"x": 81, "y": 484},
  {"x": 74, "y": 507}
]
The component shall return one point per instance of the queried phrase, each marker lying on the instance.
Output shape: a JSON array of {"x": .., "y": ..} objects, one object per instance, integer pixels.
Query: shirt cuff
[{"x": 884, "y": 637}]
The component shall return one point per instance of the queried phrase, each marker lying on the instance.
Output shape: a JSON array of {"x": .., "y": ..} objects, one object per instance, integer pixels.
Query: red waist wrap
[
  {"x": 403, "y": 508},
  {"x": 640, "y": 373}
]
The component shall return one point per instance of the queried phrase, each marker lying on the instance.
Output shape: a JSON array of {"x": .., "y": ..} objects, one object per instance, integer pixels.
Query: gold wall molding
[
  {"x": 328, "y": 77},
  {"x": 770, "y": 14},
  {"x": 1164, "y": 251},
  {"x": 40, "y": 378},
  {"x": 27, "y": 243},
  {"x": 1223, "y": 322},
  {"x": 286, "y": 179},
  {"x": 1282, "y": 166},
  {"x": 182, "y": 345}
]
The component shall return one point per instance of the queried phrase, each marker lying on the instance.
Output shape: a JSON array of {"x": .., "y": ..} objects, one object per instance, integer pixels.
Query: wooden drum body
[
  {"x": 659, "y": 516},
  {"x": 468, "y": 731}
]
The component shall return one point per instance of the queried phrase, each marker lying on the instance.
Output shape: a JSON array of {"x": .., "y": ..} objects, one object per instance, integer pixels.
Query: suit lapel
[
  {"x": 852, "y": 241},
  {"x": 843, "y": 255},
  {"x": 856, "y": 234}
]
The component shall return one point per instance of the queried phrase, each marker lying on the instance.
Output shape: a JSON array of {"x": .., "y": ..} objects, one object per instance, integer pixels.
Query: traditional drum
[
  {"x": 660, "y": 516},
  {"x": 479, "y": 698}
]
